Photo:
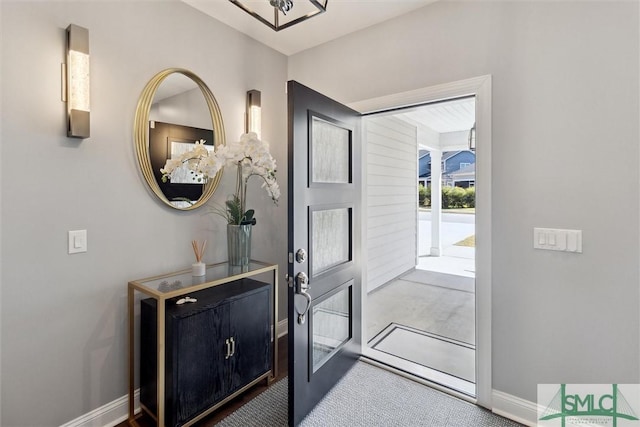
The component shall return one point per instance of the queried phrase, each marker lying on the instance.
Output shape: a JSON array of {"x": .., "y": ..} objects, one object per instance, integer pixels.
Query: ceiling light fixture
[
  {"x": 284, "y": 5},
  {"x": 472, "y": 138},
  {"x": 281, "y": 14}
]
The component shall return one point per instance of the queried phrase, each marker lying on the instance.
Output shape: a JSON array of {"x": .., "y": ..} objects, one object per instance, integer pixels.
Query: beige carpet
[{"x": 368, "y": 396}]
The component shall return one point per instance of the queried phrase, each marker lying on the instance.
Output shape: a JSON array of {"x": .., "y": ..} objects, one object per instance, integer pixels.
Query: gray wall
[
  {"x": 565, "y": 155},
  {"x": 187, "y": 109},
  {"x": 64, "y": 316},
  {"x": 565, "y": 79}
]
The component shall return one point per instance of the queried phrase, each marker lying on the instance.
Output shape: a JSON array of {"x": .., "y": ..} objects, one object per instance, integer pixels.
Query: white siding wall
[{"x": 391, "y": 152}]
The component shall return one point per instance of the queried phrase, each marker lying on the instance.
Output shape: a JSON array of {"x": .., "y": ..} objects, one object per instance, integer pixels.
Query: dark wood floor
[{"x": 233, "y": 405}]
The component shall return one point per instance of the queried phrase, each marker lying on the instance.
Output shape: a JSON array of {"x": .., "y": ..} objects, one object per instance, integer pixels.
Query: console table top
[{"x": 182, "y": 282}]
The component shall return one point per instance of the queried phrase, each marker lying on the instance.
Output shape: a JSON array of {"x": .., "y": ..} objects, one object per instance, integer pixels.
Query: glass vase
[{"x": 239, "y": 244}]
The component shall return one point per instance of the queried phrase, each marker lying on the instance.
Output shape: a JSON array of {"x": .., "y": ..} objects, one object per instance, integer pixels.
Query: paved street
[{"x": 460, "y": 218}]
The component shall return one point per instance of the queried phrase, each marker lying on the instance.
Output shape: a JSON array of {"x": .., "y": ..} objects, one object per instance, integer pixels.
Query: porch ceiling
[{"x": 443, "y": 125}]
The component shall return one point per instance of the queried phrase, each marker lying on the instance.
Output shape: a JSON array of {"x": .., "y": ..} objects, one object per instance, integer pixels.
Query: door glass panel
[
  {"x": 331, "y": 329},
  {"x": 330, "y": 153},
  {"x": 330, "y": 240}
]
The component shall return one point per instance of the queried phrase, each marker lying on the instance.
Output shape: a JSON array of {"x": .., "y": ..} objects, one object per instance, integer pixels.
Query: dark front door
[{"x": 324, "y": 245}]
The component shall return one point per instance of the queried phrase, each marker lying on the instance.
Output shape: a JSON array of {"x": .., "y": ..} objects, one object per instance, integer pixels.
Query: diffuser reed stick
[{"x": 198, "y": 249}]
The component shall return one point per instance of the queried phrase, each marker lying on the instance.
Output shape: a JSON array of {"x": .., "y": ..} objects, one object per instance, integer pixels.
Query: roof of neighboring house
[
  {"x": 425, "y": 162},
  {"x": 448, "y": 154},
  {"x": 468, "y": 171},
  {"x": 425, "y": 154}
]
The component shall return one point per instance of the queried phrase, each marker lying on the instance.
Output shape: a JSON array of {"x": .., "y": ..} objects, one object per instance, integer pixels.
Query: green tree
[
  {"x": 422, "y": 195},
  {"x": 470, "y": 197}
]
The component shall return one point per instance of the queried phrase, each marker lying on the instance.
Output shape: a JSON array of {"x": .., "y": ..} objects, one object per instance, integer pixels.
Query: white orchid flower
[{"x": 250, "y": 155}]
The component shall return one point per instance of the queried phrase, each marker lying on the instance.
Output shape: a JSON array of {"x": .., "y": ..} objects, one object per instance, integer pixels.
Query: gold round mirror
[{"x": 176, "y": 109}]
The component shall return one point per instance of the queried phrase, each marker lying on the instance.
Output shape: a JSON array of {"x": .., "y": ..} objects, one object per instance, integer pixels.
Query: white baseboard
[
  {"x": 514, "y": 408},
  {"x": 113, "y": 413},
  {"x": 109, "y": 415}
]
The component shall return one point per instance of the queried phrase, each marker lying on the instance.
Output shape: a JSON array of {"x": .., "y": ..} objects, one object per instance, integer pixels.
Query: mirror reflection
[
  {"x": 179, "y": 117},
  {"x": 176, "y": 109}
]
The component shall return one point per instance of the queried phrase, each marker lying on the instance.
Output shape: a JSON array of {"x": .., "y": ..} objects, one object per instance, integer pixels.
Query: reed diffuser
[{"x": 198, "y": 268}]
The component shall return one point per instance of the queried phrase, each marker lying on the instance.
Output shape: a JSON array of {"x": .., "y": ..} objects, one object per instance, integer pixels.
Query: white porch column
[{"x": 436, "y": 202}]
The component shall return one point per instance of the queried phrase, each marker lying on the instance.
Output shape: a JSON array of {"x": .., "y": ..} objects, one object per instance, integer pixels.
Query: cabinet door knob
[
  {"x": 226, "y": 356},
  {"x": 233, "y": 347}
]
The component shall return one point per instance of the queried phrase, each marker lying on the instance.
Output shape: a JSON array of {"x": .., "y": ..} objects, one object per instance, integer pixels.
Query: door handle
[
  {"x": 228, "y": 344},
  {"x": 302, "y": 286},
  {"x": 233, "y": 347}
]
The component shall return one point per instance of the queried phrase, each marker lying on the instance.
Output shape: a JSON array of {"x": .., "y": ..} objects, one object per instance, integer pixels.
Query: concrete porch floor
[
  {"x": 457, "y": 261},
  {"x": 438, "y": 296},
  {"x": 435, "y": 302}
]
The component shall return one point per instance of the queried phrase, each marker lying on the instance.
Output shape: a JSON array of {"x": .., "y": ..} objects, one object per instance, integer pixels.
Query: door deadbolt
[{"x": 301, "y": 256}]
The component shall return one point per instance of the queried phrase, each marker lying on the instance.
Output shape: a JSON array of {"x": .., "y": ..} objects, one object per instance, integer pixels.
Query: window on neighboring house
[{"x": 464, "y": 165}]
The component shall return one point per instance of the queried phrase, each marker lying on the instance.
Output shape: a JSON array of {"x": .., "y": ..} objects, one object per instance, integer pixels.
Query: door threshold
[{"x": 441, "y": 381}]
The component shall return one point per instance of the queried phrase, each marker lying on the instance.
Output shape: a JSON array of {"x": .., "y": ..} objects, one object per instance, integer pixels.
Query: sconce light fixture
[
  {"x": 75, "y": 82},
  {"x": 254, "y": 113},
  {"x": 472, "y": 137},
  {"x": 281, "y": 14}
]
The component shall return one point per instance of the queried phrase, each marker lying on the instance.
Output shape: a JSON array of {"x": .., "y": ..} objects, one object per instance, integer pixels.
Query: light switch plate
[
  {"x": 77, "y": 241},
  {"x": 553, "y": 239}
]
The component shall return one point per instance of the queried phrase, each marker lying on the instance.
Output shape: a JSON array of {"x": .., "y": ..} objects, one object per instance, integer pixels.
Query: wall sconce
[
  {"x": 254, "y": 113},
  {"x": 75, "y": 82},
  {"x": 472, "y": 137},
  {"x": 281, "y": 14}
]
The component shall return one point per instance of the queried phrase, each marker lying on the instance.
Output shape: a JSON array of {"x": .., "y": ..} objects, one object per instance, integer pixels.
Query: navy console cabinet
[
  {"x": 214, "y": 347},
  {"x": 195, "y": 356}
]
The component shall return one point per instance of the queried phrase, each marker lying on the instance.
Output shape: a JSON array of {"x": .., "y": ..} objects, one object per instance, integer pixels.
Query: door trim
[{"x": 480, "y": 87}]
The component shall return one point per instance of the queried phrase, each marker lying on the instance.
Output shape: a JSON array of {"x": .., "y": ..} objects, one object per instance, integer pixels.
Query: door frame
[{"x": 480, "y": 87}]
